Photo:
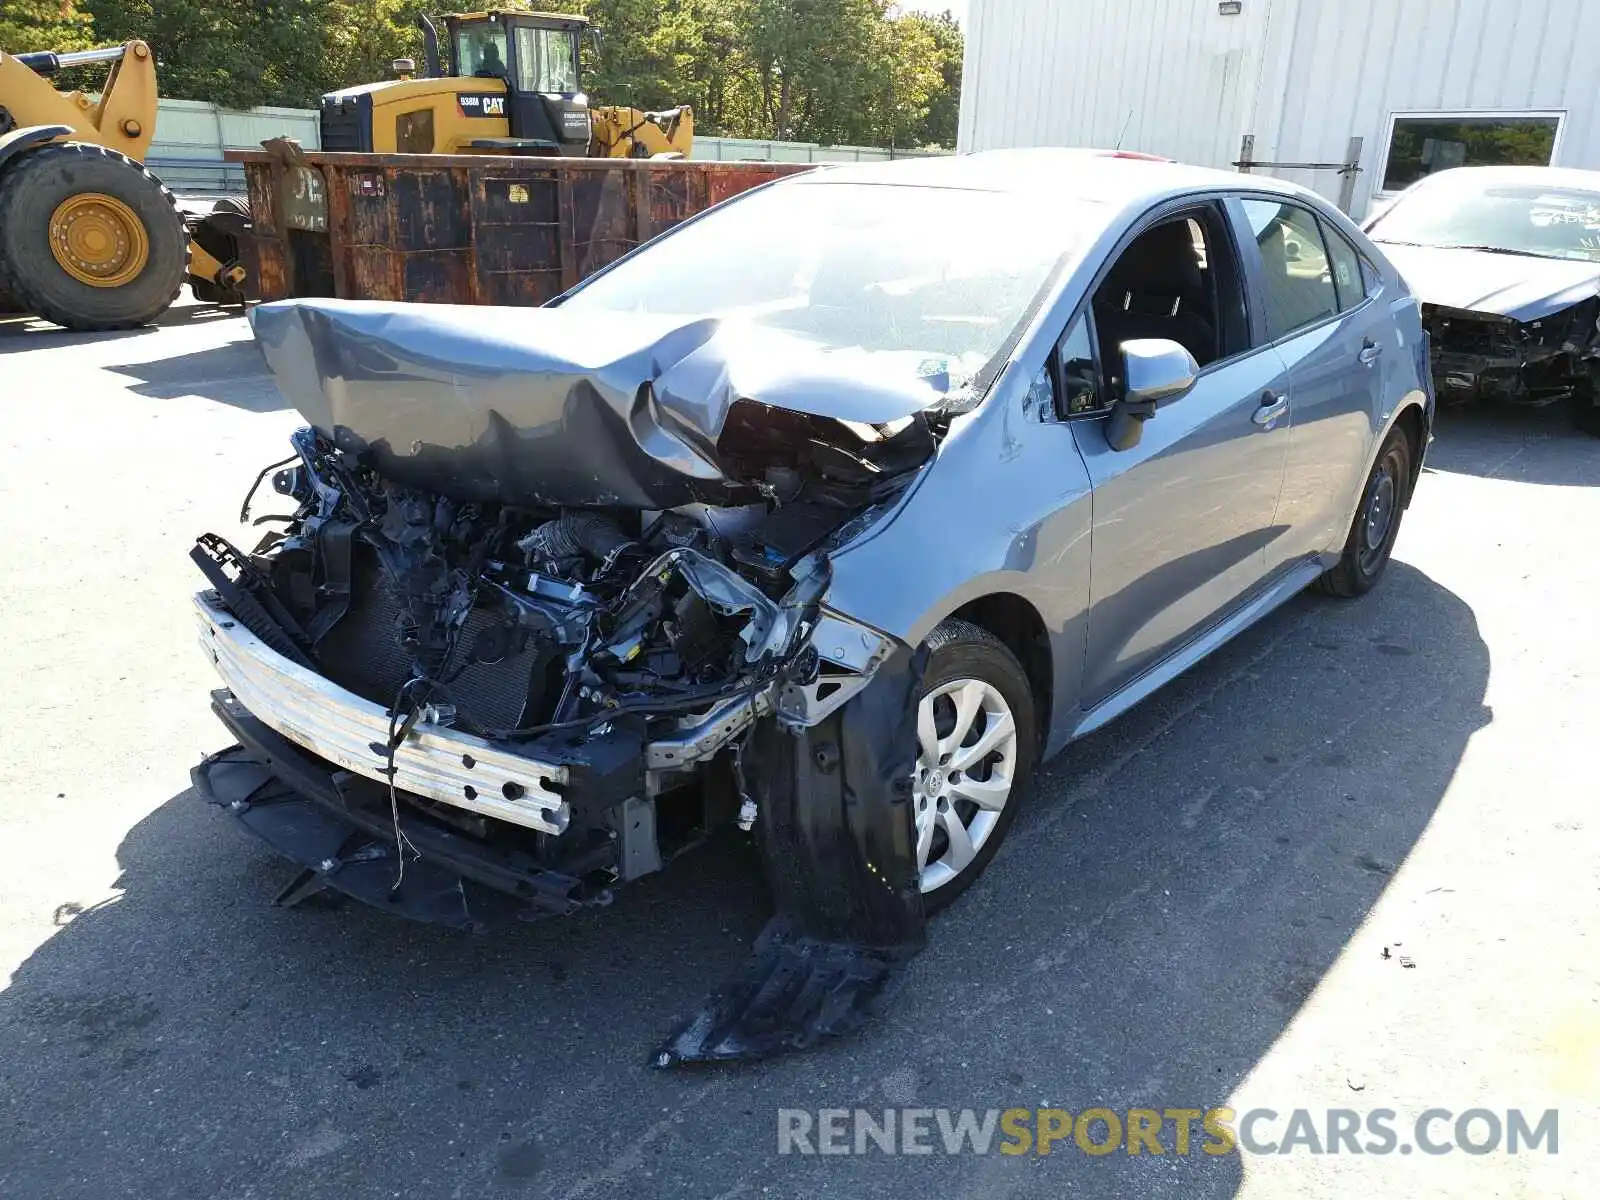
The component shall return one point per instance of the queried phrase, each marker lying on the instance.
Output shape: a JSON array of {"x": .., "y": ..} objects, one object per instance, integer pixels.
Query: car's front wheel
[{"x": 976, "y": 744}]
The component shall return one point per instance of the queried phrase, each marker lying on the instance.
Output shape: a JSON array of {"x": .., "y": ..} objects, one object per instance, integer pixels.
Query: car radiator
[{"x": 364, "y": 653}]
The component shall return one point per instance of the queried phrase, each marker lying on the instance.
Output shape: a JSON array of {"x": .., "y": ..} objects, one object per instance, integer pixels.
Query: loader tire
[{"x": 89, "y": 239}]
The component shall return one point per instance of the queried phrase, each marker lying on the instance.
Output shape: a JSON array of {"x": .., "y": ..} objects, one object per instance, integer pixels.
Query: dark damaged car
[
  {"x": 828, "y": 515},
  {"x": 1506, "y": 264}
]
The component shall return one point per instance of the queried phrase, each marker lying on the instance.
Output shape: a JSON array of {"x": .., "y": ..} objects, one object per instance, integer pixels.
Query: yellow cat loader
[
  {"x": 89, "y": 238},
  {"x": 512, "y": 86}
]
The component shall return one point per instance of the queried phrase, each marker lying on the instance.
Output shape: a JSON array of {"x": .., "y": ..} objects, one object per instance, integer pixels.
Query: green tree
[
  {"x": 832, "y": 71},
  {"x": 812, "y": 63},
  {"x": 237, "y": 53},
  {"x": 362, "y": 38},
  {"x": 943, "y": 116},
  {"x": 909, "y": 76},
  {"x": 27, "y": 25}
]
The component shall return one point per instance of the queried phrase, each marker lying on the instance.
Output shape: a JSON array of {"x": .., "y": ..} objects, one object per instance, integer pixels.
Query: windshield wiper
[
  {"x": 1517, "y": 253},
  {"x": 1486, "y": 248}
]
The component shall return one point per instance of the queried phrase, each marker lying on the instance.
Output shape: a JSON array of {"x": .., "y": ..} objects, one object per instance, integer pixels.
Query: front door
[
  {"x": 546, "y": 103},
  {"x": 1183, "y": 519}
]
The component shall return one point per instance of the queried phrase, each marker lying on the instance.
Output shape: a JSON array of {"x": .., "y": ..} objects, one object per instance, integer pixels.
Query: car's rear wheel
[
  {"x": 977, "y": 742},
  {"x": 1370, "y": 544}
]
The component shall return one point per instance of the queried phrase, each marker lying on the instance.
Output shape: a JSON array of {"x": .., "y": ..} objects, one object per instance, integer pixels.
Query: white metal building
[{"x": 1425, "y": 84}]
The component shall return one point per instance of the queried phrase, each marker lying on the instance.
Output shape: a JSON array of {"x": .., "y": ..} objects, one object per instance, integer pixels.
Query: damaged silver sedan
[
  {"x": 1506, "y": 264},
  {"x": 826, "y": 515}
]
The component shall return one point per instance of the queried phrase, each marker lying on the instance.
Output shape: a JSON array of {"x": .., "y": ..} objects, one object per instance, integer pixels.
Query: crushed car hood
[
  {"x": 550, "y": 406},
  {"x": 1521, "y": 286}
]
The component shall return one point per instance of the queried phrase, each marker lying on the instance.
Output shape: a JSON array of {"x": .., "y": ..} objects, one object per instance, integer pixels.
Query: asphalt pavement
[{"x": 1352, "y": 861}]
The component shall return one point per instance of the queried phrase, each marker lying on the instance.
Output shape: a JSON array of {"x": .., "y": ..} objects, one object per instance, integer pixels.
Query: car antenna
[{"x": 1124, "y": 132}]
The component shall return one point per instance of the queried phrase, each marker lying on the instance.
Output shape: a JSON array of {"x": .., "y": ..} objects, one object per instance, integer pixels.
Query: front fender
[{"x": 19, "y": 141}]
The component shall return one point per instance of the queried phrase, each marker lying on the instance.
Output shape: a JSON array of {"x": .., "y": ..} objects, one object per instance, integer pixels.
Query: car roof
[
  {"x": 1082, "y": 174},
  {"x": 1568, "y": 177}
]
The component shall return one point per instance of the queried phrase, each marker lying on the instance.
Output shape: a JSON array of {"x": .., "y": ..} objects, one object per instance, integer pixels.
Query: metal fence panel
[{"x": 191, "y": 136}]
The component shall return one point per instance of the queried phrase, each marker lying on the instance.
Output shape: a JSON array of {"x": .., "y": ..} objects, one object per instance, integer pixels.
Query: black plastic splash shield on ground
[
  {"x": 838, "y": 842},
  {"x": 795, "y": 991}
]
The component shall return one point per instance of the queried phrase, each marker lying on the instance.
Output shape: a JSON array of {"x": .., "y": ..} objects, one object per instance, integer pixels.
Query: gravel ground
[{"x": 1352, "y": 861}]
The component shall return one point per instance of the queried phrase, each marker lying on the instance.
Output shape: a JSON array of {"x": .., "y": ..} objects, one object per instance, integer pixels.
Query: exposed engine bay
[
  {"x": 461, "y": 697},
  {"x": 545, "y": 629},
  {"x": 1480, "y": 355}
]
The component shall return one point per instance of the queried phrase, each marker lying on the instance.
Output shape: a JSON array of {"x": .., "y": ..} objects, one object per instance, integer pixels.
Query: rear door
[
  {"x": 1182, "y": 520},
  {"x": 1340, "y": 347}
]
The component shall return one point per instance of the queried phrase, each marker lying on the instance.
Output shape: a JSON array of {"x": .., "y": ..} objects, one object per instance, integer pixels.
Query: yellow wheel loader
[
  {"x": 512, "y": 86},
  {"x": 89, "y": 238}
]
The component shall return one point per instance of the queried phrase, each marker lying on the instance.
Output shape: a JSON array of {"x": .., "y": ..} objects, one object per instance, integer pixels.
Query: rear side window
[
  {"x": 1344, "y": 263},
  {"x": 1295, "y": 269},
  {"x": 1371, "y": 276}
]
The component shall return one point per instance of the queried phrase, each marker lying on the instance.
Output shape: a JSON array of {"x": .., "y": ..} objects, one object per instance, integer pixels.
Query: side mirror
[{"x": 1157, "y": 372}]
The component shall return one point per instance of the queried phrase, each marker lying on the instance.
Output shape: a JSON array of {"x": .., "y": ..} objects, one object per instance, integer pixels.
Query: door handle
[
  {"x": 1370, "y": 351},
  {"x": 1272, "y": 407}
]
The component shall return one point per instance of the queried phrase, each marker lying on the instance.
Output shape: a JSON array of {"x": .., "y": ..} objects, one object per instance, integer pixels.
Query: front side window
[
  {"x": 481, "y": 50},
  {"x": 941, "y": 275},
  {"x": 1517, "y": 218},
  {"x": 1177, "y": 281},
  {"x": 1295, "y": 271},
  {"x": 1080, "y": 382},
  {"x": 1423, "y": 144},
  {"x": 547, "y": 60}
]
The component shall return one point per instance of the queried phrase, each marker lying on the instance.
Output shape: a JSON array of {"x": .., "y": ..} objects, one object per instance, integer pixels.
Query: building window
[{"x": 1422, "y": 143}]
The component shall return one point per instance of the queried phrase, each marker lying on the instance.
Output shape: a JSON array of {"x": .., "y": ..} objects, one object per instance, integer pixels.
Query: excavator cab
[
  {"x": 535, "y": 57},
  {"x": 503, "y": 83},
  {"x": 498, "y": 83}
]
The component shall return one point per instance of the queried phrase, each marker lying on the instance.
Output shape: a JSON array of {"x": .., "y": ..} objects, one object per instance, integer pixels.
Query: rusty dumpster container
[{"x": 463, "y": 229}]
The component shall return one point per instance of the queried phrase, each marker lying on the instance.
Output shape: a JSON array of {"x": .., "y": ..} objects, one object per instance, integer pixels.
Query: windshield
[
  {"x": 950, "y": 274},
  {"x": 547, "y": 60},
  {"x": 1551, "y": 222},
  {"x": 481, "y": 50}
]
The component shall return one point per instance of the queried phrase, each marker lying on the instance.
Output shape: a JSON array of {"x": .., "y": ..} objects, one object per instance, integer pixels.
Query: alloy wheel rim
[
  {"x": 98, "y": 240},
  {"x": 962, "y": 781}
]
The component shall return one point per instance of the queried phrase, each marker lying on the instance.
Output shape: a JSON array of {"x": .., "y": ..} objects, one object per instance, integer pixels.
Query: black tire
[
  {"x": 220, "y": 234},
  {"x": 30, "y": 191},
  {"x": 961, "y": 650},
  {"x": 1368, "y": 548}
]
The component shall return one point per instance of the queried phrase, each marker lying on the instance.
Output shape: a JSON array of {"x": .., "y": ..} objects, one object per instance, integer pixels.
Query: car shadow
[
  {"x": 1169, "y": 898},
  {"x": 23, "y": 331},
  {"x": 233, "y": 373},
  {"x": 1520, "y": 445}
]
